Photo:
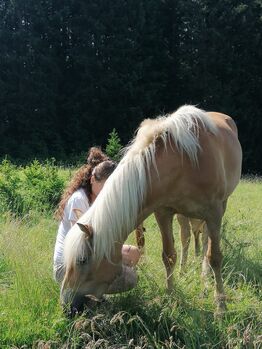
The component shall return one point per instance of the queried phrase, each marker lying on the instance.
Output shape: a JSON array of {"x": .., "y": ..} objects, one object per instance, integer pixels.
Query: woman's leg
[{"x": 130, "y": 255}]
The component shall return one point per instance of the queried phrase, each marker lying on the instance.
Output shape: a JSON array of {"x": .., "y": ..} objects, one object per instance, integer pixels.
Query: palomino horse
[{"x": 188, "y": 162}]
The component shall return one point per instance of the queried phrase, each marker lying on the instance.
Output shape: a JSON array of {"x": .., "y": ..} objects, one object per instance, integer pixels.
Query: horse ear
[{"x": 86, "y": 229}]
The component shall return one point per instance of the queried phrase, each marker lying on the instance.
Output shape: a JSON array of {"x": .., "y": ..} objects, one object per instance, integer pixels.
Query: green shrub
[
  {"x": 42, "y": 186},
  {"x": 10, "y": 183},
  {"x": 36, "y": 187},
  {"x": 113, "y": 146}
]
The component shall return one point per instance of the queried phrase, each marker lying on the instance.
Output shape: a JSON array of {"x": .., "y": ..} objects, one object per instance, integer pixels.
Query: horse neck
[{"x": 115, "y": 212}]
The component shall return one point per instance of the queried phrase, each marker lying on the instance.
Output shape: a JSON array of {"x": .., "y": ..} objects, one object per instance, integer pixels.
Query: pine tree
[{"x": 114, "y": 146}]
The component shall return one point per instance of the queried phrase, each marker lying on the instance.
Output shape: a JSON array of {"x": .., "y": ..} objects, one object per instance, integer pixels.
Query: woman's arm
[{"x": 78, "y": 214}]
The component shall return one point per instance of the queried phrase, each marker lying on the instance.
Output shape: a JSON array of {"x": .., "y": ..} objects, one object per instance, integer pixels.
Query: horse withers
[{"x": 188, "y": 163}]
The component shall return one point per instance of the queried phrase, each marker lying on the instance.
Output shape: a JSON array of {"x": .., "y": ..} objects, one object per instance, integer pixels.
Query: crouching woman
[{"x": 78, "y": 197}]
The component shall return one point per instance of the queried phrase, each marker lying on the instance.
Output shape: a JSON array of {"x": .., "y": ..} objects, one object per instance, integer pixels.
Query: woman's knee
[{"x": 130, "y": 254}]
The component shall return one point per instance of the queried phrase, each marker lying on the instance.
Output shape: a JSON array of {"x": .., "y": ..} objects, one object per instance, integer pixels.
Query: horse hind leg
[
  {"x": 196, "y": 234},
  {"x": 205, "y": 263},
  {"x": 197, "y": 228},
  {"x": 140, "y": 238},
  {"x": 214, "y": 256},
  {"x": 185, "y": 240},
  {"x": 164, "y": 218}
]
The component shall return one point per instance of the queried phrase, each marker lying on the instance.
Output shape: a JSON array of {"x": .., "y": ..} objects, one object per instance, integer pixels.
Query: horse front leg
[
  {"x": 214, "y": 257},
  {"x": 164, "y": 218},
  {"x": 185, "y": 240}
]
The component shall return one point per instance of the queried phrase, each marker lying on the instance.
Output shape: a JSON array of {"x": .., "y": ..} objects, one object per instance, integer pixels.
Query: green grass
[{"x": 146, "y": 317}]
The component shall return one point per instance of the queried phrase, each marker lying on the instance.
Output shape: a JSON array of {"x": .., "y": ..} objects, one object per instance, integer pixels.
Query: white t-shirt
[{"x": 77, "y": 201}]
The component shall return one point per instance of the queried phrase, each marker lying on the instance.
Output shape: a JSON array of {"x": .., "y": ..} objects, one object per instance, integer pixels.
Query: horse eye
[{"x": 81, "y": 260}]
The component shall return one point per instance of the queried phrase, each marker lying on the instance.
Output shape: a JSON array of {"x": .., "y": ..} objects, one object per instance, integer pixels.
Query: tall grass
[
  {"x": 29, "y": 296},
  {"x": 146, "y": 317}
]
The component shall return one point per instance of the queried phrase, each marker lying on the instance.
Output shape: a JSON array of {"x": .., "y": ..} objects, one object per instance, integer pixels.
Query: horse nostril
[
  {"x": 81, "y": 260},
  {"x": 92, "y": 302}
]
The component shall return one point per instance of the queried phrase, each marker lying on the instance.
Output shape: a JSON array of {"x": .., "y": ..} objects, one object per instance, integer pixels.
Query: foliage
[
  {"x": 10, "y": 184},
  {"x": 113, "y": 146},
  {"x": 34, "y": 187},
  {"x": 69, "y": 72},
  {"x": 42, "y": 185}
]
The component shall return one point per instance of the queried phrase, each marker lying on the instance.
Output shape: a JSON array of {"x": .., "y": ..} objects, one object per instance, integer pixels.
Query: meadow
[{"x": 146, "y": 317}]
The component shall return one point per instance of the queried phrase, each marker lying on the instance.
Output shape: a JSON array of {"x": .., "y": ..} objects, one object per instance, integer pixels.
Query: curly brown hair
[{"x": 81, "y": 178}]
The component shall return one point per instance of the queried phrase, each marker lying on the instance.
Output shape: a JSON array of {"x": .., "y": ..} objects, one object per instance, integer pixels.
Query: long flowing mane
[{"x": 113, "y": 214}]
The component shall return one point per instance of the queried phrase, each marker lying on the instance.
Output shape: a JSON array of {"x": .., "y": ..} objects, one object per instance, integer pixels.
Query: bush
[
  {"x": 113, "y": 146},
  {"x": 10, "y": 183},
  {"x": 35, "y": 187},
  {"x": 42, "y": 186}
]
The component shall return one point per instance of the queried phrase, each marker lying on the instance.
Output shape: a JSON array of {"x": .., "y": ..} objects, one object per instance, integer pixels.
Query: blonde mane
[{"x": 114, "y": 213}]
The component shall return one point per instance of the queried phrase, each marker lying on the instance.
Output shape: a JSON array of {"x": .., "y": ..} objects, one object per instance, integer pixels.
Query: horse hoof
[
  {"x": 221, "y": 307},
  {"x": 204, "y": 293},
  {"x": 219, "y": 314}
]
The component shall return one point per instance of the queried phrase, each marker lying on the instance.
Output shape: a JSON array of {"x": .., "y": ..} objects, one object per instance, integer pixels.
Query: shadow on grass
[
  {"x": 241, "y": 267},
  {"x": 147, "y": 317}
]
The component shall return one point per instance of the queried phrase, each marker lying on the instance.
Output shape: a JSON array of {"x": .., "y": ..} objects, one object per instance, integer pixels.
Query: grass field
[{"x": 146, "y": 317}]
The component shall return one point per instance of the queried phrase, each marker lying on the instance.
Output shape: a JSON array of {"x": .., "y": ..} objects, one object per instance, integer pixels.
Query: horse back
[
  {"x": 225, "y": 149},
  {"x": 190, "y": 188}
]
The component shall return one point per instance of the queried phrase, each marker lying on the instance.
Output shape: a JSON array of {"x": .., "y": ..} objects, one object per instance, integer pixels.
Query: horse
[{"x": 187, "y": 162}]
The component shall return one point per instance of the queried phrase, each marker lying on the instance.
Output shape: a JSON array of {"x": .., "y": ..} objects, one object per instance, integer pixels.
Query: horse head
[{"x": 86, "y": 277}]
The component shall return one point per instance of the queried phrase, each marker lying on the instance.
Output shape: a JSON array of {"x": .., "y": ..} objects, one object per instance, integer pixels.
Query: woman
[{"x": 77, "y": 198}]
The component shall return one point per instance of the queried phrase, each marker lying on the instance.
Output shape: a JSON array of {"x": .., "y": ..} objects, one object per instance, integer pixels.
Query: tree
[
  {"x": 71, "y": 71},
  {"x": 114, "y": 146}
]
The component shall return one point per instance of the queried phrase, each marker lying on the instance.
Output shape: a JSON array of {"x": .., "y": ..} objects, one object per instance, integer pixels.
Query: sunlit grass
[
  {"x": 146, "y": 317},
  {"x": 28, "y": 302}
]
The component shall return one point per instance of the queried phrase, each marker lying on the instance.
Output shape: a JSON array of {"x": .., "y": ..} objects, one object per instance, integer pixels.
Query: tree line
[{"x": 72, "y": 70}]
